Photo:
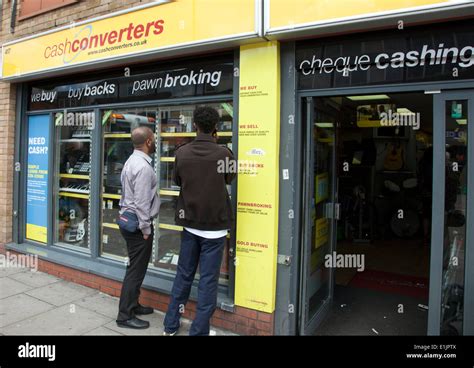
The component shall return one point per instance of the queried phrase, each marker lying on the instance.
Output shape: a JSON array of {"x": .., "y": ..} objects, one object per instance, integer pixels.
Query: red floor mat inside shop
[{"x": 392, "y": 283}]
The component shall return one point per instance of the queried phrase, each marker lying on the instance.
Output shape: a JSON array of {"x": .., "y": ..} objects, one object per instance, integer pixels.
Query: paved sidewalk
[{"x": 35, "y": 303}]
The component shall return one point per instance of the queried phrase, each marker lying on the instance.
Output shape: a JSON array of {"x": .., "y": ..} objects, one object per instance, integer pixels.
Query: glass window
[
  {"x": 176, "y": 128},
  {"x": 173, "y": 126},
  {"x": 72, "y": 178},
  {"x": 117, "y": 148}
]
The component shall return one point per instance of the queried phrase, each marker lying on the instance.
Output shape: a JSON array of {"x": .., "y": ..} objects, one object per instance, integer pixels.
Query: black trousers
[{"x": 139, "y": 252}]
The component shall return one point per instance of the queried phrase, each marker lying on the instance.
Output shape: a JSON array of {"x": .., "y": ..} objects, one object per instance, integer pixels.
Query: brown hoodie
[{"x": 203, "y": 201}]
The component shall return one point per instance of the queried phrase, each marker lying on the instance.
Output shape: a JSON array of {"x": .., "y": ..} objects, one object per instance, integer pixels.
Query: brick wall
[{"x": 7, "y": 132}]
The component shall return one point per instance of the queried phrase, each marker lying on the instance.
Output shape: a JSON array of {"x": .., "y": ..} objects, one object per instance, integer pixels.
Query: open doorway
[{"x": 383, "y": 175}]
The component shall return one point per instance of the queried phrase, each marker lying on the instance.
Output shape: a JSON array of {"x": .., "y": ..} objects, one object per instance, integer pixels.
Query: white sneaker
[{"x": 169, "y": 333}]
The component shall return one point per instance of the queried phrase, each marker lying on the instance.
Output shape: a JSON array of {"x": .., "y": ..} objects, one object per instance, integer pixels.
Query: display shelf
[
  {"x": 117, "y": 135},
  {"x": 71, "y": 190},
  {"x": 170, "y": 227},
  {"x": 165, "y": 135},
  {"x": 73, "y": 195},
  {"x": 73, "y": 140},
  {"x": 174, "y": 193},
  {"x": 111, "y": 196},
  {"x": 178, "y": 135},
  {"x": 110, "y": 226},
  {"x": 167, "y": 159},
  {"x": 191, "y": 134},
  {"x": 74, "y": 176},
  {"x": 224, "y": 134}
]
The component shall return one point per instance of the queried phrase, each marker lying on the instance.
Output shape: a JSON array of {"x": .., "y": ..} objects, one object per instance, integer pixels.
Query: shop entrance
[{"x": 373, "y": 258}]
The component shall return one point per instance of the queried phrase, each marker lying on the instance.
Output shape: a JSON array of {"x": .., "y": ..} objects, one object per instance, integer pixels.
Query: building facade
[{"x": 350, "y": 125}]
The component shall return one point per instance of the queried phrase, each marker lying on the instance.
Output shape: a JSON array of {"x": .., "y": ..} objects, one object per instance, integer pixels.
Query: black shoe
[
  {"x": 134, "y": 323},
  {"x": 141, "y": 310}
]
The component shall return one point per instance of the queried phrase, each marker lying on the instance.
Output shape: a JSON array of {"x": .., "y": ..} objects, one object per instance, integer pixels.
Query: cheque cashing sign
[{"x": 165, "y": 25}]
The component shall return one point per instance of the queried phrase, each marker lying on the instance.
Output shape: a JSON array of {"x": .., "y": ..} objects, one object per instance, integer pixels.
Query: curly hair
[{"x": 206, "y": 119}]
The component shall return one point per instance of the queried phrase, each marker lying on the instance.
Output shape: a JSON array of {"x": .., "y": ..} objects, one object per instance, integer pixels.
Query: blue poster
[{"x": 37, "y": 178}]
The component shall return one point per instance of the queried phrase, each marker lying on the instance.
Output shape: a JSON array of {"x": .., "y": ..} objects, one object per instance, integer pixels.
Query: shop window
[
  {"x": 117, "y": 147},
  {"x": 173, "y": 126},
  {"x": 31, "y": 8},
  {"x": 72, "y": 178}
]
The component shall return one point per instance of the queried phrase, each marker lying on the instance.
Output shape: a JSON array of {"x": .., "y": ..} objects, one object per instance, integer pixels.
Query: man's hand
[{"x": 146, "y": 236}]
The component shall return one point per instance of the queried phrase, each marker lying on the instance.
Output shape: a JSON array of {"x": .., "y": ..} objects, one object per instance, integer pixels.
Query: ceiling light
[{"x": 368, "y": 98}]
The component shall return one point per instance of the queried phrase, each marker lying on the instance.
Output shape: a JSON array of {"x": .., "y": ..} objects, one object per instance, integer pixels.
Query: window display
[
  {"x": 174, "y": 127},
  {"x": 117, "y": 147},
  {"x": 72, "y": 179}
]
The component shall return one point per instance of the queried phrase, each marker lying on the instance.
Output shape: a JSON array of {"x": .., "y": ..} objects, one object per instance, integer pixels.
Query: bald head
[
  {"x": 143, "y": 139},
  {"x": 140, "y": 135}
]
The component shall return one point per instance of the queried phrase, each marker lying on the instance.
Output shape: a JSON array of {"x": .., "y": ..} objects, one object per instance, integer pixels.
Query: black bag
[{"x": 128, "y": 221}]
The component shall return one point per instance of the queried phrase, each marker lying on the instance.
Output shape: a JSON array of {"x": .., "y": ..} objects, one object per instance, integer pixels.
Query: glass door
[
  {"x": 320, "y": 213},
  {"x": 452, "y": 259}
]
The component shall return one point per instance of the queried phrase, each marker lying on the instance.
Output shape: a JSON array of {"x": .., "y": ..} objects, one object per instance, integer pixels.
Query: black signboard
[
  {"x": 429, "y": 53},
  {"x": 200, "y": 79}
]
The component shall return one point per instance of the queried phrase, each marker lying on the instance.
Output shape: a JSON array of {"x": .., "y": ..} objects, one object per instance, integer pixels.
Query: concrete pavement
[{"x": 35, "y": 303}]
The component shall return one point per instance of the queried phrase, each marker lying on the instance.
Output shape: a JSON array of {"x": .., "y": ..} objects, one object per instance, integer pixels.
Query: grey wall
[{"x": 288, "y": 234}]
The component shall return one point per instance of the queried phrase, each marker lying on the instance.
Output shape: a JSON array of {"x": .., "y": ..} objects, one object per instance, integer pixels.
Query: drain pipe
[{"x": 13, "y": 16}]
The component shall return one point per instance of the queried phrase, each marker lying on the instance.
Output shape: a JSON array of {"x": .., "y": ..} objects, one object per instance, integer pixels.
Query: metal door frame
[
  {"x": 437, "y": 232},
  {"x": 307, "y": 327}
]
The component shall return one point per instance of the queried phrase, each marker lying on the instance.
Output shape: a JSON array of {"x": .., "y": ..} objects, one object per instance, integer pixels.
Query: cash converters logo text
[{"x": 84, "y": 39}]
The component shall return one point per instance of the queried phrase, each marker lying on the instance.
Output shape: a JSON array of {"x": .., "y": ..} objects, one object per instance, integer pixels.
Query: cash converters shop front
[
  {"x": 76, "y": 106},
  {"x": 355, "y": 145}
]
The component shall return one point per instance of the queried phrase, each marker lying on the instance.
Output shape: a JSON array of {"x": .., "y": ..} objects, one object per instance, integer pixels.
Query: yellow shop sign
[
  {"x": 288, "y": 16},
  {"x": 162, "y": 26}
]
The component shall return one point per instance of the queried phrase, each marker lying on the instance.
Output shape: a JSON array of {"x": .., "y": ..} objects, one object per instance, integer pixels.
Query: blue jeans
[{"x": 208, "y": 254}]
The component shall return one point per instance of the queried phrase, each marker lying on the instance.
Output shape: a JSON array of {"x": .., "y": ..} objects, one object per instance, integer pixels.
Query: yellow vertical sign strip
[{"x": 257, "y": 196}]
